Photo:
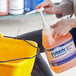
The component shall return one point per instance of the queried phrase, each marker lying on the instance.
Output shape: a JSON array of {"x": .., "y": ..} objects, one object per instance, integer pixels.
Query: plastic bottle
[
  {"x": 16, "y": 7},
  {"x": 29, "y": 5},
  {"x": 61, "y": 51},
  {"x": 4, "y": 7}
]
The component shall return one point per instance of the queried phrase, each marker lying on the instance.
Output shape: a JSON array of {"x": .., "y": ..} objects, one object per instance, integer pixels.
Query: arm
[{"x": 67, "y": 8}]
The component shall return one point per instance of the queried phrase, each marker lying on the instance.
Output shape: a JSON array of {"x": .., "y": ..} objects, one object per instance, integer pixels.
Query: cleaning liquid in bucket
[
  {"x": 4, "y": 7},
  {"x": 61, "y": 52}
]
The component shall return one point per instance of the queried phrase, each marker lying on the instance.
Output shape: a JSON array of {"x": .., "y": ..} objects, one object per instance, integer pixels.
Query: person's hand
[
  {"x": 49, "y": 7},
  {"x": 63, "y": 27}
]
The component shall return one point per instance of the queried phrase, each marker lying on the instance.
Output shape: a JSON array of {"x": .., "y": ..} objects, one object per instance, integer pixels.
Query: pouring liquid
[{"x": 61, "y": 52}]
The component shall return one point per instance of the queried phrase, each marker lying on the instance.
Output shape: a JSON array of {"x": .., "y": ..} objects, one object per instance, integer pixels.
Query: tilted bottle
[{"x": 61, "y": 51}]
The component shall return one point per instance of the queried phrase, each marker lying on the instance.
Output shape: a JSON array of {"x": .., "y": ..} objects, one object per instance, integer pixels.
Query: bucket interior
[{"x": 14, "y": 49}]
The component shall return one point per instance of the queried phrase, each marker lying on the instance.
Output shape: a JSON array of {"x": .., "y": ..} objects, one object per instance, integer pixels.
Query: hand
[
  {"x": 63, "y": 27},
  {"x": 49, "y": 7}
]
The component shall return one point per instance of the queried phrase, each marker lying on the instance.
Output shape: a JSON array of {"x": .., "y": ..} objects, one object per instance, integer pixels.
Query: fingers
[
  {"x": 54, "y": 26},
  {"x": 42, "y": 5},
  {"x": 61, "y": 28},
  {"x": 38, "y": 6},
  {"x": 55, "y": 34},
  {"x": 48, "y": 11},
  {"x": 47, "y": 7},
  {"x": 57, "y": 29}
]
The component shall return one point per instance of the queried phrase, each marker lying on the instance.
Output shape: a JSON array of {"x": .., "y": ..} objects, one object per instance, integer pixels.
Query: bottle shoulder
[{"x": 51, "y": 43}]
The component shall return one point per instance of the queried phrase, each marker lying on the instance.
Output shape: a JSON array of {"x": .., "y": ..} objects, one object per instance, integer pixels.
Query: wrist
[
  {"x": 57, "y": 9},
  {"x": 73, "y": 23}
]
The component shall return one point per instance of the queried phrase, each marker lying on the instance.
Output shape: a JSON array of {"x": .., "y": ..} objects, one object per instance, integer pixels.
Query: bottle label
[
  {"x": 3, "y": 5},
  {"x": 62, "y": 53},
  {"x": 29, "y": 5}
]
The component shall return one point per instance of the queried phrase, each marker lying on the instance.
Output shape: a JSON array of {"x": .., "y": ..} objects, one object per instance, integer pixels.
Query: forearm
[
  {"x": 65, "y": 8},
  {"x": 57, "y": 9}
]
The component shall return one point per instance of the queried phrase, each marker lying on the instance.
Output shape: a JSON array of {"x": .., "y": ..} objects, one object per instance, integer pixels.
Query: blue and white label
[
  {"x": 58, "y": 52},
  {"x": 29, "y": 5},
  {"x": 63, "y": 53}
]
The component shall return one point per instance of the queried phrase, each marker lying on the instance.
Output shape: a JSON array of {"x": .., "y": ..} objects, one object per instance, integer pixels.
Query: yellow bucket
[{"x": 11, "y": 49}]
